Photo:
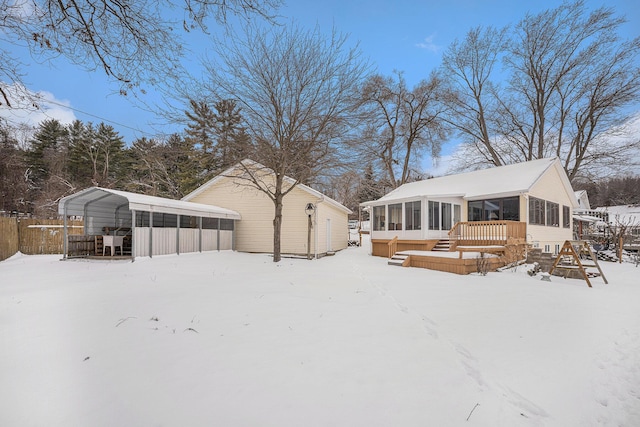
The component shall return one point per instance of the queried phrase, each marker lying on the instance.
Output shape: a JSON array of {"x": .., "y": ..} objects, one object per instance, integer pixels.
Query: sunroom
[{"x": 498, "y": 211}]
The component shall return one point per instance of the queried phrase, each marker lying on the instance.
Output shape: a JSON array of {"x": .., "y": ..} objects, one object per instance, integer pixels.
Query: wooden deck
[
  {"x": 452, "y": 263},
  {"x": 498, "y": 243}
]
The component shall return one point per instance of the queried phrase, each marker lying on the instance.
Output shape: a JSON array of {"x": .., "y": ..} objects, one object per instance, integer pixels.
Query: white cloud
[
  {"x": 31, "y": 108},
  {"x": 429, "y": 44}
]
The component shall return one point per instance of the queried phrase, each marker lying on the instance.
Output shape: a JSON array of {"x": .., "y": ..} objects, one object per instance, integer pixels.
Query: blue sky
[{"x": 406, "y": 35}]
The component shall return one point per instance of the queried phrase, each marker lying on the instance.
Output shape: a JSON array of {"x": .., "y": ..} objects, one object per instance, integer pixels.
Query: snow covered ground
[{"x": 232, "y": 339}]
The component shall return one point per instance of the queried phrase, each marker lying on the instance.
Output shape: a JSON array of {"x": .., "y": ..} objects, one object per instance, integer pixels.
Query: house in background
[
  {"x": 529, "y": 202},
  {"x": 627, "y": 218},
  {"x": 232, "y": 190}
]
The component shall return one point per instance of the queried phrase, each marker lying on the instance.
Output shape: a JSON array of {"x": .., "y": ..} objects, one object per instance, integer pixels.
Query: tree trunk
[{"x": 277, "y": 227}]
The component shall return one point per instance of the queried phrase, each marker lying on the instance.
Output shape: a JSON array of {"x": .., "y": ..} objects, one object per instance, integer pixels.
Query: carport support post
[
  {"x": 133, "y": 235},
  {"x": 178, "y": 234},
  {"x": 151, "y": 234},
  {"x": 64, "y": 234},
  {"x": 218, "y": 236},
  {"x": 199, "y": 234}
]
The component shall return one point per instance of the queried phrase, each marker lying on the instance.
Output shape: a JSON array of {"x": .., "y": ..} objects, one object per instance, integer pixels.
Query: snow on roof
[
  {"x": 624, "y": 214},
  {"x": 248, "y": 163},
  {"x": 75, "y": 204},
  {"x": 499, "y": 181}
]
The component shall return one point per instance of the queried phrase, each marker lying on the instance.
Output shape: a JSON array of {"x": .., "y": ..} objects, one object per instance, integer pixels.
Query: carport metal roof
[{"x": 97, "y": 196}]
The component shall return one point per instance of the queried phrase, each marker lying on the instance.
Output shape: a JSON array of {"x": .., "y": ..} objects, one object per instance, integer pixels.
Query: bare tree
[
  {"x": 470, "y": 66},
  {"x": 402, "y": 122},
  {"x": 132, "y": 42},
  {"x": 295, "y": 89},
  {"x": 571, "y": 78}
]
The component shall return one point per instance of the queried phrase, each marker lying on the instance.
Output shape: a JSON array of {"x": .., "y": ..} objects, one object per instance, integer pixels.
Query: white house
[
  {"x": 232, "y": 190},
  {"x": 534, "y": 200}
]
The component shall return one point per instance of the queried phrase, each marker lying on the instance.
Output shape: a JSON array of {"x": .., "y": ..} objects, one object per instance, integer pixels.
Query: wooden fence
[{"x": 34, "y": 236}]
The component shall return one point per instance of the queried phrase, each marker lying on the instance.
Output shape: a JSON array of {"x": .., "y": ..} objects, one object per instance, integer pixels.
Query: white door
[{"x": 329, "y": 235}]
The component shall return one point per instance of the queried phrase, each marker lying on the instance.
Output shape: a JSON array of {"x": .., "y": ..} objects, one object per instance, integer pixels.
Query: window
[
  {"x": 434, "y": 215},
  {"x": 507, "y": 208},
  {"x": 536, "y": 211},
  {"x": 491, "y": 210},
  {"x": 226, "y": 224},
  {"x": 457, "y": 213},
  {"x": 209, "y": 223},
  {"x": 378, "y": 218},
  {"x": 553, "y": 214},
  {"x": 187, "y": 221},
  {"x": 510, "y": 209},
  {"x": 162, "y": 220},
  {"x": 395, "y": 216},
  {"x": 475, "y": 210},
  {"x": 566, "y": 216},
  {"x": 447, "y": 216},
  {"x": 142, "y": 219},
  {"x": 412, "y": 216}
]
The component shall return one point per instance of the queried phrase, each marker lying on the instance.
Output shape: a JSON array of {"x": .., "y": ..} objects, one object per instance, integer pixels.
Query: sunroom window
[
  {"x": 434, "y": 215},
  {"x": 395, "y": 216},
  {"x": 447, "y": 216},
  {"x": 412, "y": 216},
  {"x": 379, "y": 218}
]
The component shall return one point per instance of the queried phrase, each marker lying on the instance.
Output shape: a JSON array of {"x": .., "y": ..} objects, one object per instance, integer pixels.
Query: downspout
[{"x": 315, "y": 220}]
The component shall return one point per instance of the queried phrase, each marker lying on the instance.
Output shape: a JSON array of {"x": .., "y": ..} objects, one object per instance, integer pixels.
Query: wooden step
[{"x": 397, "y": 260}]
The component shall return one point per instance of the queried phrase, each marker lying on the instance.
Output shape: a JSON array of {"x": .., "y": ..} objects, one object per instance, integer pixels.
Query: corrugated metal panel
[
  {"x": 209, "y": 240},
  {"x": 189, "y": 240},
  {"x": 164, "y": 241},
  {"x": 108, "y": 200},
  {"x": 141, "y": 237}
]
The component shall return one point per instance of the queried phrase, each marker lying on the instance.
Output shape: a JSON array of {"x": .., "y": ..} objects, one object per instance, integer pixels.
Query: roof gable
[{"x": 248, "y": 163}]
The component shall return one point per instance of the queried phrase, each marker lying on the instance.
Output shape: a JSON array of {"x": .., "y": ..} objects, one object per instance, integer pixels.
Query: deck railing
[
  {"x": 487, "y": 232},
  {"x": 393, "y": 246}
]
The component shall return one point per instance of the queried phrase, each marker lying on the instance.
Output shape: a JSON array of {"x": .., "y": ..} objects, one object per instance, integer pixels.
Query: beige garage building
[{"x": 233, "y": 190}]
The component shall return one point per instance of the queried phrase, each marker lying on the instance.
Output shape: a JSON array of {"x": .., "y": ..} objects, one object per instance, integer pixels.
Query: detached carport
[{"x": 149, "y": 225}]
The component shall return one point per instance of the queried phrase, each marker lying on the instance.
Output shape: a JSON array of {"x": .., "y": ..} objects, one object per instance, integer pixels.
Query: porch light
[{"x": 309, "y": 210}]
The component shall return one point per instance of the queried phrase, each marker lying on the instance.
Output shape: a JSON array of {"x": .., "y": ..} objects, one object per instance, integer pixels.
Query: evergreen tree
[
  {"x": 45, "y": 151},
  {"x": 232, "y": 142},
  {"x": 201, "y": 131},
  {"x": 370, "y": 188},
  {"x": 12, "y": 184},
  {"x": 82, "y": 154},
  {"x": 112, "y": 165},
  {"x": 181, "y": 159}
]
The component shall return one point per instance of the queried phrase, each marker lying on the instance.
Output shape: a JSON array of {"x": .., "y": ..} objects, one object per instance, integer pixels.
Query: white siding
[{"x": 254, "y": 232}]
